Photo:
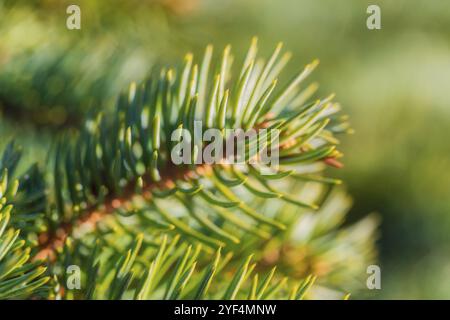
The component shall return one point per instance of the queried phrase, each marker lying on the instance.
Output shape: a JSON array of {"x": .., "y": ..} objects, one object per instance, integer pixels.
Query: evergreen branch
[
  {"x": 206, "y": 230},
  {"x": 121, "y": 162}
]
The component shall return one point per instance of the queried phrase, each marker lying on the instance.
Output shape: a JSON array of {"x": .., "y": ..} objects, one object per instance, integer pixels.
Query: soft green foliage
[
  {"x": 393, "y": 82},
  {"x": 19, "y": 277},
  {"x": 115, "y": 156},
  {"x": 52, "y": 78},
  {"x": 141, "y": 227},
  {"x": 178, "y": 270}
]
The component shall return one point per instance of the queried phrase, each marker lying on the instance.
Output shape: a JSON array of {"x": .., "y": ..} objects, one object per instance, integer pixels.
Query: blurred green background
[{"x": 393, "y": 82}]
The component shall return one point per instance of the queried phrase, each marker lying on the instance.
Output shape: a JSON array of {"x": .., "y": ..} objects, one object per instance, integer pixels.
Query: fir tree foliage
[
  {"x": 141, "y": 227},
  {"x": 19, "y": 275},
  {"x": 128, "y": 154}
]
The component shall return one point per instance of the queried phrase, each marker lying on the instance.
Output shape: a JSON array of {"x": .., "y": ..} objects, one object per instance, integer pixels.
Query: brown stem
[{"x": 52, "y": 240}]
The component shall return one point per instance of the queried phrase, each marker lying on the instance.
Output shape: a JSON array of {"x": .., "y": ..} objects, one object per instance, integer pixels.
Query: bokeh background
[{"x": 393, "y": 82}]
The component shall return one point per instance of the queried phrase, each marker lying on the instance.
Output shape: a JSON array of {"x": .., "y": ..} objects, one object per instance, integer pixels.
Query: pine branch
[
  {"x": 121, "y": 157},
  {"x": 177, "y": 270},
  {"x": 141, "y": 226}
]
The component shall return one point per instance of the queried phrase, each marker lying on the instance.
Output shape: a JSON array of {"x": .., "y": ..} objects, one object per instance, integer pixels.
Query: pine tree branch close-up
[
  {"x": 223, "y": 159},
  {"x": 114, "y": 203}
]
